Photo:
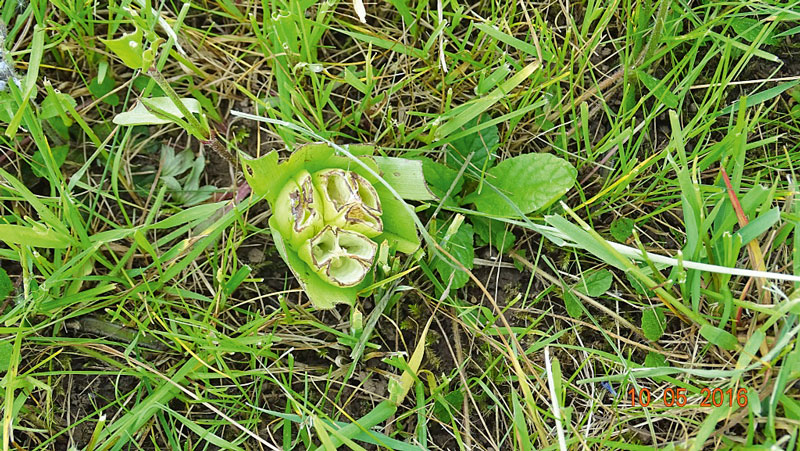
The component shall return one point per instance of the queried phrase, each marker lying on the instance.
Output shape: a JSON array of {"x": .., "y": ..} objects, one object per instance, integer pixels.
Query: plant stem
[
  {"x": 165, "y": 86},
  {"x": 212, "y": 140},
  {"x": 215, "y": 144}
]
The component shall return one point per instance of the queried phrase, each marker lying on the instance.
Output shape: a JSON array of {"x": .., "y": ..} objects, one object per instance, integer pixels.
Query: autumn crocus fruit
[
  {"x": 340, "y": 257},
  {"x": 350, "y": 201},
  {"x": 338, "y": 220},
  {"x": 299, "y": 209}
]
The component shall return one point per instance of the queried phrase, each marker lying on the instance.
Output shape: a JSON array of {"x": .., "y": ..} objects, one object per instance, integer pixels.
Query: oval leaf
[
  {"x": 596, "y": 283},
  {"x": 530, "y": 181},
  {"x": 460, "y": 246},
  {"x": 719, "y": 337},
  {"x": 128, "y": 48},
  {"x": 653, "y": 323}
]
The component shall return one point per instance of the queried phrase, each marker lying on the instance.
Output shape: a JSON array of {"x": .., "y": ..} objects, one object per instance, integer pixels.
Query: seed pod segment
[
  {"x": 350, "y": 201},
  {"x": 340, "y": 257},
  {"x": 299, "y": 209}
]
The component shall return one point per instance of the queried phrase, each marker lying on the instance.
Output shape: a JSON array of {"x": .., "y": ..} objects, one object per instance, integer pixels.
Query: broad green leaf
[
  {"x": 38, "y": 165},
  {"x": 621, "y": 229},
  {"x": 405, "y": 176},
  {"x": 32, "y": 236},
  {"x": 573, "y": 305},
  {"x": 482, "y": 142},
  {"x": 440, "y": 178},
  {"x": 7, "y": 109},
  {"x": 450, "y": 402},
  {"x": 638, "y": 286},
  {"x": 142, "y": 81},
  {"x": 398, "y": 223},
  {"x": 6, "y": 348},
  {"x": 719, "y": 337},
  {"x": 653, "y": 323},
  {"x": 655, "y": 360},
  {"x": 494, "y": 232},
  {"x": 128, "y": 48},
  {"x": 53, "y": 105},
  {"x": 749, "y": 29},
  {"x": 100, "y": 88},
  {"x": 140, "y": 115},
  {"x": 659, "y": 89},
  {"x": 460, "y": 246},
  {"x": 6, "y": 287},
  {"x": 263, "y": 175},
  {"x": 596, "y": 283},
  {"x": 531, "y": 181}
]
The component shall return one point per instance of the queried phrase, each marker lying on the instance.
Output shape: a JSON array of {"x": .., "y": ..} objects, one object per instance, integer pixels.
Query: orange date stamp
[{"x": 677, "y": 397}]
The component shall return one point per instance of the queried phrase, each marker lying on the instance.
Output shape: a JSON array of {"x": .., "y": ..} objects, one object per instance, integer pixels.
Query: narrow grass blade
[
  {"x": 37, "y": 49},
  {"x": 475, "y": 108}
]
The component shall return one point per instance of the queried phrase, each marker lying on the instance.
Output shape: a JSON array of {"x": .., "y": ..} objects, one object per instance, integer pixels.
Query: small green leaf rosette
[{"x": 329, "y": 214}]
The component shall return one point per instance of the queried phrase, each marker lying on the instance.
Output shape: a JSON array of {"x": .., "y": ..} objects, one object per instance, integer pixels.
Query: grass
[{"x": 144, "y": 309}]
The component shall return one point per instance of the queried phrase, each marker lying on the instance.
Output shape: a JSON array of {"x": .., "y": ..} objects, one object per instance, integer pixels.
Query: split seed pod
[
  {"x": 340, "y": 257},
  {"x": 351, "y": 202},
  {"x": 330, "y": 213},
  {"x": 298, "y": 209}
]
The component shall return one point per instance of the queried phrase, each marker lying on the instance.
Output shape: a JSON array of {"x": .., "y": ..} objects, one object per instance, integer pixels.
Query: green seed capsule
[
  {"x": 298, "y": 210},
  {"x": 349, "y": 201},
  {"x": 340, "y": 257}
]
